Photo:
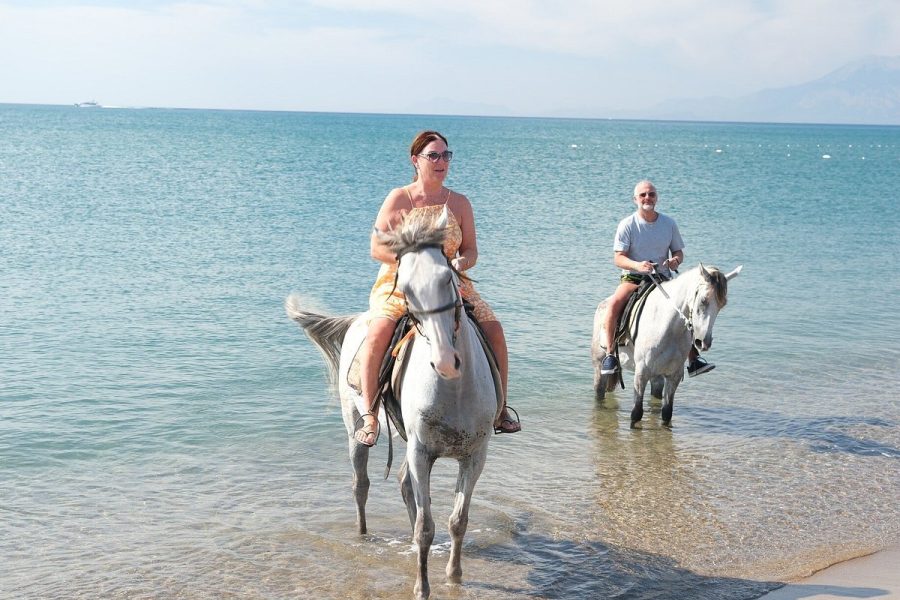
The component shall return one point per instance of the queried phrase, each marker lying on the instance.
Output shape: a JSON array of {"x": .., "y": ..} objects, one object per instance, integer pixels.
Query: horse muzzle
[
  {"x": 704, "y": 344},
  {"x": 447, "y": 368}
]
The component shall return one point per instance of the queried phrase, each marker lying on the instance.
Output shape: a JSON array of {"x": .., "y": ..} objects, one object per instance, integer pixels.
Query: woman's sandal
[
  {"x": 363, "y": 434},
  {"x": 500, "y": 429}
]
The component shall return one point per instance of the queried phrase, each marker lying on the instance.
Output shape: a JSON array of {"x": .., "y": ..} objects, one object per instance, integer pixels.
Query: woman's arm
[
  {"x": 388, "y": 217},
  {"x": 467, "y": 255}
]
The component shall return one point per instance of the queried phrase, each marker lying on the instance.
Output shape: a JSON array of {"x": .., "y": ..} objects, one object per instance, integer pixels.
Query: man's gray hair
[{"x": 639, "y": 184}]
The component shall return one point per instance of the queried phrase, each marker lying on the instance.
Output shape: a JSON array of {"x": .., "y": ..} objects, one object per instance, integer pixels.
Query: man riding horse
[{"x": 646, "y": 242}]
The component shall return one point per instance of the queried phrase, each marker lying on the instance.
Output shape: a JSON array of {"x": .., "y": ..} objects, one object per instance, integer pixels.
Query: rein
[
  {"x": 455, "y": 305},
  {"x": 658, "y": 284}
]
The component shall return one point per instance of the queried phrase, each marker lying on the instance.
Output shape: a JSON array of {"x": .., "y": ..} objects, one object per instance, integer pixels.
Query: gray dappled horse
[
  {"x": 665, "y": 332},
  {"x": 447, "y": 393}
]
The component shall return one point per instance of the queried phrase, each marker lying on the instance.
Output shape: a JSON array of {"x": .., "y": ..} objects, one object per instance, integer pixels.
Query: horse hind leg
[
  {"x": 359, "y": 459},
  {"x": 603, "y": 384},
  {"x": 469, "y": 471}
]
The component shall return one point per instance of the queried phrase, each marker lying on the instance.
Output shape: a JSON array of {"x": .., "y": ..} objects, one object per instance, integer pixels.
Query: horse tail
[{"x": 327, "y": 333}]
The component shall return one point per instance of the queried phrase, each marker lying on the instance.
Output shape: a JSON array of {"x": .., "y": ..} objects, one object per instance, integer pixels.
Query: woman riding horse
[{"x": 431, "y": 159}]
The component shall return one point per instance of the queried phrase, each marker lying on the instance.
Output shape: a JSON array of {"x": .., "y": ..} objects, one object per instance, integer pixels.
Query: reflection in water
[{"x": 649, "y": 497}]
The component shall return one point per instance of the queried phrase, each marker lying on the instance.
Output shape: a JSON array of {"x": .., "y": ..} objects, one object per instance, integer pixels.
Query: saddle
[
  {"x": 393, "y": 367},
  {"x": 627, "y": 327}
]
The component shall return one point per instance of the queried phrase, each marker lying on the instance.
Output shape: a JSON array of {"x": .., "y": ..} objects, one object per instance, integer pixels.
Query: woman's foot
[
  {"x": 506, "y": 424},
  {"x": 367, "y": 435}
]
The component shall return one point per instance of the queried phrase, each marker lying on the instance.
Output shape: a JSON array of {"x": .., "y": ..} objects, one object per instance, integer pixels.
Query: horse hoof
[
  {"x": 666, "y": 414},
  {"x": 422, "y": 593}
]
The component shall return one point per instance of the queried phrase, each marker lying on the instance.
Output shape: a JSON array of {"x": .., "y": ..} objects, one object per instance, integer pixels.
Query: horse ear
[
  {"x": 705, "y": 273},
  {"x": 734, "y": 273},
  {"x": 442, "y": 220}
]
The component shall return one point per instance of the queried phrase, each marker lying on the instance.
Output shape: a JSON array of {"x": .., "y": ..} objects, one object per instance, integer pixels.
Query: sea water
[{"x": 167, "y": 432}]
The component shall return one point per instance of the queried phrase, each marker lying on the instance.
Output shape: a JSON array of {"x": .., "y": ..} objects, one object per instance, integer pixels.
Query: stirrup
[
  {"x": 366, "y": 432},
  {"x": 498, "y": 429}
]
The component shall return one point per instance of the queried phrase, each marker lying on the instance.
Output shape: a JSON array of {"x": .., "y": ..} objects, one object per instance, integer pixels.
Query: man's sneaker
[
  {"x": 698, "y": 365},
  {"x": 609, "y": 365}
]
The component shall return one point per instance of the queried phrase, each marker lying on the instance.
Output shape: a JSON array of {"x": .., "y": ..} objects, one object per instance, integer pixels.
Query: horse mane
[
  {"x": 417, "y": 228},
  {"x": 719, "y": 284}
]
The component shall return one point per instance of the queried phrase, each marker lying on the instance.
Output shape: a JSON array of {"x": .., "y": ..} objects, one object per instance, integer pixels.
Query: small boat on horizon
[{"x": 90, "y": 104}]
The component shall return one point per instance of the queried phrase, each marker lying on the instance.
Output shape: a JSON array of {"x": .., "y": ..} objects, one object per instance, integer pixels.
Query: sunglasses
[
  {"x": 647, "y": 195},
  {"x": 436, "y": 156}
]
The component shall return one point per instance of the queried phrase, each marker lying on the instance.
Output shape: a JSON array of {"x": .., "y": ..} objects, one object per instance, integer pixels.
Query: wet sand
[{"x": 873, "y": 576}]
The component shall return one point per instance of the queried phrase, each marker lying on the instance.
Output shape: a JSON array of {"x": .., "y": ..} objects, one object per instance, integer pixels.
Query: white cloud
[{"x": 385, "y": 55}]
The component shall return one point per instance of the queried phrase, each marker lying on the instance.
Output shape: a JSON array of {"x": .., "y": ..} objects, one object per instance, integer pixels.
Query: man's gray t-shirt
[{"x": 641, "y": 240}]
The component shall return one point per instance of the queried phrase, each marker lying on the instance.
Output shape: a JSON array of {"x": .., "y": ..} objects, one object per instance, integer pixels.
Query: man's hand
[
  {"x": 672, "y": 262},
  {"x": 645, "y": 267}
]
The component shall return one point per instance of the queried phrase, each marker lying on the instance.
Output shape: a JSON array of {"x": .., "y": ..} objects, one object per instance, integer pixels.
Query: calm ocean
[{"x": 167, "y": 432}]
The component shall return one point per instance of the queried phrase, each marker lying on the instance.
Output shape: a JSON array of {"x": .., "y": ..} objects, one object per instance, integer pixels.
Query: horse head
[
  {"x": 711, "y": 297},
  {"x": 430, "y": 285}
]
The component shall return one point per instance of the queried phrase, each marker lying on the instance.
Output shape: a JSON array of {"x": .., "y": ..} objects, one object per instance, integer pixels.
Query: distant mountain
[{"x": 863, "y": 92}]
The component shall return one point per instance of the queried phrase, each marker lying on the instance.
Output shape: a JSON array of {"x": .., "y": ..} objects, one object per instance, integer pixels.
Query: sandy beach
[{"x": 873, "y": 576}]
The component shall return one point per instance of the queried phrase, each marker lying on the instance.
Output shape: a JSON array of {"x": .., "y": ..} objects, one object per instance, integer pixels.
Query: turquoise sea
[{"x": 167, "y": 432}]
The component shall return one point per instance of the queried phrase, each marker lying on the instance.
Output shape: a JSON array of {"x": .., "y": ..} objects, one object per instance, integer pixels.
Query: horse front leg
[
  {"x": 669, "y": 399},
  {"x": 469, "y": 471},
  {"x": 420, "y": 467},
  {"x": 359, "y": 459},
  {"x": 640, "y": 385},
  {"x": 406, "y": 491}
]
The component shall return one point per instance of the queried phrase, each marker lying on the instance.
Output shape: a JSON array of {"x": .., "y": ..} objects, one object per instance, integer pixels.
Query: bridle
[{"x": 415, "y": 314}]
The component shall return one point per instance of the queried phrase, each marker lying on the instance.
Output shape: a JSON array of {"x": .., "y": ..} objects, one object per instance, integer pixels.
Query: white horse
[
  {"x": 447, "y": 394},
  {"x": 679, "y": 315}
]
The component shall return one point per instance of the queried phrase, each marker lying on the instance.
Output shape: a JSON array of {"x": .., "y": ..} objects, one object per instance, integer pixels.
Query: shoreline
[{"x": 871, "y": 576}]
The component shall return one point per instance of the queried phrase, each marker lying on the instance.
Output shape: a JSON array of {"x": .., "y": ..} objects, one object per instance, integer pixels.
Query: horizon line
[{"x": 460, "y": 116}]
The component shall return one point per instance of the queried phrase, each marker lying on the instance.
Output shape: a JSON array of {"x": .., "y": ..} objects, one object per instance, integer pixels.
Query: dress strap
[{"x": 408, "y": 195}]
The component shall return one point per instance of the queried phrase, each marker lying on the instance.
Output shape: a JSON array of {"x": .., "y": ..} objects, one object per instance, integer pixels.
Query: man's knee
[{"x": 620, "y": 297}]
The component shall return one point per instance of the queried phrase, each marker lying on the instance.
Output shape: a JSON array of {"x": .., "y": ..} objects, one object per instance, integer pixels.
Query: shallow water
[{"x": 165, "y": 431}]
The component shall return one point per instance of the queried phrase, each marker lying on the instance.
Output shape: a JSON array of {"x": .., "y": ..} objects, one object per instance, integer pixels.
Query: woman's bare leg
[
  {"x": 494, "y": 333},
  {"x": 372, "y": 353}
]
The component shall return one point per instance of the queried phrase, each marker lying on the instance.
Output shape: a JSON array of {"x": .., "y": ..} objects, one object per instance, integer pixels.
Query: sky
[{"x": 524, "y": 58}]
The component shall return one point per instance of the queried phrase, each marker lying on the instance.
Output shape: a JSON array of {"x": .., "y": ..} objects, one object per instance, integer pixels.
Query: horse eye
[{"x": 704, "y": 302}]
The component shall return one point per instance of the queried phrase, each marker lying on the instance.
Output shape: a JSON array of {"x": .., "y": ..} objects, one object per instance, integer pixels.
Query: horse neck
[
  {"x": 680, "y": 291},
  {"x": 466, "y": 339}
]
